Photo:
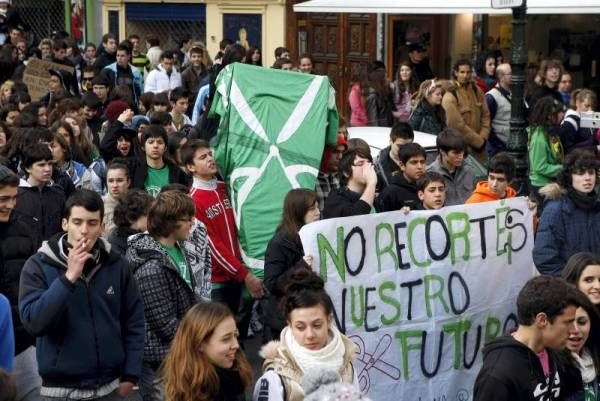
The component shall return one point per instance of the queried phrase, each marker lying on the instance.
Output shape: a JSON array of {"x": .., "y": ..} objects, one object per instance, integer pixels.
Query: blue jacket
[
  {"x": 7, "y": 338},
  {"x": 138, "y": 88},
  {"x": 88, "y": 333},
  {"x": 564, "y": 229}
]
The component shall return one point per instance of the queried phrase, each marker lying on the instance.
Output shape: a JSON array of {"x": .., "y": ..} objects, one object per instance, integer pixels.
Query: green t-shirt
[
  {"x": 178, "y": 259},
  {"x": 156, "y": 179}
]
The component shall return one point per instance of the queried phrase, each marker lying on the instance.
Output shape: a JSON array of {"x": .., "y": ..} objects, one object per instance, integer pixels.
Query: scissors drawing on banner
[{"x": 372, "y": 360}]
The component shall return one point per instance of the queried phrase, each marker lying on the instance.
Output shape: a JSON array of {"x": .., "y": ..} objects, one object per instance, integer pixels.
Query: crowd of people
[{"x": 121, "y": 275}]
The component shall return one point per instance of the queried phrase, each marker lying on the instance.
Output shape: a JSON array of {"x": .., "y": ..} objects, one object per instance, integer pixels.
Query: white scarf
[
  {"x": 586, "y": 365},
  {"x": 329, "y": 357}
]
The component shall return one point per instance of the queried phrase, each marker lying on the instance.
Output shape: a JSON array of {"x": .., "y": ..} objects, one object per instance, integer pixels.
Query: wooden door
[
  {"x": 359, "y": 42},
  {"x": 337, "y": 43}
]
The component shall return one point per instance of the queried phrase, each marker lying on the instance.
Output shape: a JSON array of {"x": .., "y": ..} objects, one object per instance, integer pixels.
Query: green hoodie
[{"x": 545, "y": 156}]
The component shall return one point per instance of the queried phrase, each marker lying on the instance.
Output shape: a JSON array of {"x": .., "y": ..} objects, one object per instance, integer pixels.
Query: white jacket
[{"x": 158, "y": 80}]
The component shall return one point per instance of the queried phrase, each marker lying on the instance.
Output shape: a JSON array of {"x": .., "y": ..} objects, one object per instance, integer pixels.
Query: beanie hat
[
  {"x": 139, "y": 120},
  {"x": 101, "y": 79},
  {"x": 327, "y": 385},
  {"x": 114, "y": 110},
  {"x": 126, "y": 133}
]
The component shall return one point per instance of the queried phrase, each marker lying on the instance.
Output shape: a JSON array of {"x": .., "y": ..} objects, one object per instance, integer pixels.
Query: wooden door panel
[{"x": 338, "y": 44}]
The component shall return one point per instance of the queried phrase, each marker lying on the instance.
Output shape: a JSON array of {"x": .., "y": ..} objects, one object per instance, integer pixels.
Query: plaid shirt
[{"x": 326, "y": 183}]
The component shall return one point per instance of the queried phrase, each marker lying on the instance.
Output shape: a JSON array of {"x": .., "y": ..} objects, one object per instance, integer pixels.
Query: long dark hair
[
  {"x": 249, "y": 54},
  {"x": 593, "y": 341},
  {"x": 542, "y": 112},
  {"x": 378, "y": 83},
  {"x": 413, "y": 84},
  {"x": 577, "y": 264},
  {"x": 295, "y": 206},
  {"x": 361, "y": 77}
]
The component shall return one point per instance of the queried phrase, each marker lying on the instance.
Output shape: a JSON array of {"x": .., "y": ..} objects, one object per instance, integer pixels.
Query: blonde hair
[
  {"x": 188, "y": 373},
  {"x": 426, "y": 88},
  {"x": 8, "y": 84},
  {"x": 580, "y": 95}
]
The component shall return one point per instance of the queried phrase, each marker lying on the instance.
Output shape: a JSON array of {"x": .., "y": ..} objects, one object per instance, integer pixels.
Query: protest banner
[
  {"x": 420, "y": 293},
  {"x": 273, "y": 129},
  {"x": 37, "y": 77}
]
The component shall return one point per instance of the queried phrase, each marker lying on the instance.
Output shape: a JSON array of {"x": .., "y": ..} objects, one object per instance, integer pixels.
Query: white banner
[{"x": 421, "y": 293}]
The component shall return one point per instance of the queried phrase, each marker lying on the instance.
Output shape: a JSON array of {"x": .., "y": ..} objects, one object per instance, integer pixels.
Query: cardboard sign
[{"x": 37, "y": 77}]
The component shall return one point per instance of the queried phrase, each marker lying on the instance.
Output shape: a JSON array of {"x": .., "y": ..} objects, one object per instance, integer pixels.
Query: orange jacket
[{"x": 483, "y": 194}]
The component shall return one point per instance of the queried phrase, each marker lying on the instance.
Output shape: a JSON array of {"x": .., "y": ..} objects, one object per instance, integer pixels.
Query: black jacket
[
  {"x": 40, "y": 209},
  {"x": 379, "y": 110},
  {"x": 108, "y": 145},
  {"x": 104, "y": 59},
  {"x": 282, "y": 256},
  {"x": 88, "y": 333},
  {"x": 62, "y": 180},
  {"x": 138, "y": 172},
  {"x": 70, "y": 79},
  {"x": 422, "y": 70},
  {"x": 118, "y": 238},
  {"x": 16, "y": 246},
  {"x": 540, "y": 92},
  {"x": 386, "y": 169},
  {"x": 398, "y": 194},
  {"x": 425, "y": 119},
  {"x": 512, "y": 372},
  {"x": 344, "y": 202}
]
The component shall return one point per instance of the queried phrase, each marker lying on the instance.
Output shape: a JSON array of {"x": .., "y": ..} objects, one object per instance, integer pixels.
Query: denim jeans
[{"x": 26, "y": 376}]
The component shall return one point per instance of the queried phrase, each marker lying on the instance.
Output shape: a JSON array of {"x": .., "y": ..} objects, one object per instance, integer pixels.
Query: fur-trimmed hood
[
  {"x": 269, "y": 350},
  {"x": 552, "y": 191}
]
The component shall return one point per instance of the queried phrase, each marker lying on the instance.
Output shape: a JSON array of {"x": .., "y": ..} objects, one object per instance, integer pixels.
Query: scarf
[
  {"x": 586, "y": 365},
  {"x": 584, "y": 201},
  {"x": 329, "y": 357},
  {"x": 231, "y": 387}
]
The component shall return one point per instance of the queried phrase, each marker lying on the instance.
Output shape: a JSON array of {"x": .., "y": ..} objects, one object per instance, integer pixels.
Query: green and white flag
[{"x": 274, "y": 126}]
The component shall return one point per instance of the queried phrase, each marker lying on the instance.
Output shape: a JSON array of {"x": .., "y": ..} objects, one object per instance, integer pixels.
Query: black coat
[
  {"x": 512, "y": 371},
  {"x": 104, "y": 59},
  {"x": 118, "y": 239},
  {"x": 108, "y": 145},
  {"x": 540, "y": 92},
  {"x": 344, "y": 202},
  {"x": 41, "y": 210},
  {"x": 386, "y": 169},
  {"x": 138, "y": 172},
  {"x": 16, "y": 246},
  {"x": 398, "y": 194},
  {"x": 70, "y": 80},
  {"x": 282, "y": 256}
]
